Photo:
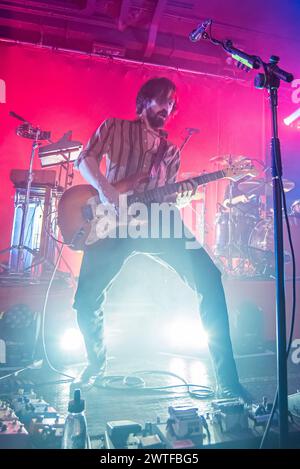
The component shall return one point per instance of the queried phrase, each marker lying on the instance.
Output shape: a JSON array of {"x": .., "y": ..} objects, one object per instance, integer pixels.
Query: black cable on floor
[{"x": 136, "y": 382}]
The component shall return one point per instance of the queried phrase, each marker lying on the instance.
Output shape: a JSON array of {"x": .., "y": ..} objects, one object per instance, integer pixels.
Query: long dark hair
[{"x": 157, "y": 88}]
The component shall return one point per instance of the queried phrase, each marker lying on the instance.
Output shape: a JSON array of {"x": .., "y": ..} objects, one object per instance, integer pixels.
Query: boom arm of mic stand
[{"x": 251, "y": 61}]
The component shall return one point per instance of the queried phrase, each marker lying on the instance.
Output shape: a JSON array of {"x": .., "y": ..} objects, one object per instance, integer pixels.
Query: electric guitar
[{"x": 79, "y": 210}]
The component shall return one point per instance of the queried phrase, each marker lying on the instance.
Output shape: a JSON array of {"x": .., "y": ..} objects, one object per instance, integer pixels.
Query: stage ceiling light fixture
[{"x": 108, "y": 50}]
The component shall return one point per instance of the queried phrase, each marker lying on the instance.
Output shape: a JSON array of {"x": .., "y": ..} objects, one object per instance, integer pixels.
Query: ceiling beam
[
  {"x": 154, "y": 27},
  {"x": 123, "y": 16}
]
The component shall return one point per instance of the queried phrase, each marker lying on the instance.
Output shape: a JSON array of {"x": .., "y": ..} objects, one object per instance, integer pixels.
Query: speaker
[{"x": 19, "y": 328}]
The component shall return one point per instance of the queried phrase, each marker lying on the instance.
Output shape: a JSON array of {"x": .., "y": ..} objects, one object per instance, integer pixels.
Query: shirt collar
[{"x": 161, "y": 132}]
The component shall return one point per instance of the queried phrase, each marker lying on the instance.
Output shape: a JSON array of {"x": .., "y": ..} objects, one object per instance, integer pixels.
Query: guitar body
[
  {"x": 73, "y": 220},
  {"x": 70, "y": 215}
]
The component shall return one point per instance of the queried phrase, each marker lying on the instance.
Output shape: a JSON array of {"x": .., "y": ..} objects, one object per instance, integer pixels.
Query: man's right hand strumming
[{"x": 109, "y": 196}]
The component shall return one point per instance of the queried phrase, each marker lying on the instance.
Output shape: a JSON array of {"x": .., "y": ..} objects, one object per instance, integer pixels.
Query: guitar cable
[{"x": 43, "y": 329}]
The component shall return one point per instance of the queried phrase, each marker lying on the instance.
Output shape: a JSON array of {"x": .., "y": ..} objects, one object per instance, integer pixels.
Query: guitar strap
[{"x": 158, "y": 157}]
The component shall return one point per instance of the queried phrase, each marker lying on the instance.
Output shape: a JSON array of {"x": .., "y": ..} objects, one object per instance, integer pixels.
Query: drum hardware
[
  {"x": 43, "y": 200},
  {"x": 25, "y": 130},
  {"x": 230, "y": 247},
  {"x": 247, "y": 238},
  {"x": 231, "y": 244},
  {"x": 255, "y": 257},
  {"x": 37, "y": 194},
  {"x": 254, "y": 238},
  {"x": 233, "y": 225},
  {"x": 41, "y": 221}
]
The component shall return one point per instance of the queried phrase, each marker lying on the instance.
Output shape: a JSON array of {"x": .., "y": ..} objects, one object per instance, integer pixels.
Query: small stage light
[
  {"x": 19, "y": 328},
  {"x": 72, "y": 340},
  {"x": 187, "y": 333}
]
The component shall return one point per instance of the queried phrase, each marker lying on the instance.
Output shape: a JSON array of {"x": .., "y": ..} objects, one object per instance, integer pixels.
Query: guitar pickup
[{"x": 87, "y": 212}]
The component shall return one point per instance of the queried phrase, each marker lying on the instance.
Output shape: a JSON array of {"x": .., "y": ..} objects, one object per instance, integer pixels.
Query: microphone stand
[
  {"x": 270, "y": 80},
  {"x": 21, "y": 246}
]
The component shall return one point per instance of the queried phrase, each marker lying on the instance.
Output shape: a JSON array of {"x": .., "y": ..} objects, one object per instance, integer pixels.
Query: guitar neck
[{"x": 159, "y": 193}]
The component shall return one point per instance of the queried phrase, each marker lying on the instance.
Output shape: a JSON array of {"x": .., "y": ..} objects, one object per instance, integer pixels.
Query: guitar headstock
[{"x": 240, "y": 169}]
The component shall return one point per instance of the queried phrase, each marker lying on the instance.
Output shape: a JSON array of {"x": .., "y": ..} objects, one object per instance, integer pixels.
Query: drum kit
[{"x": 244, "y": 243}]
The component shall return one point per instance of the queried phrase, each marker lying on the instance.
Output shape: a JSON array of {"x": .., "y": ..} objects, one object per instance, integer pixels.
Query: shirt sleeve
[
  {"x": 95, "y": 148},
  {"x": 173, "y": 165}
]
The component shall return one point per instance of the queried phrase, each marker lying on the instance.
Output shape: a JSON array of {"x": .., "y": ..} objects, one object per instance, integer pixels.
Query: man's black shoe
[
  {"x": 89, "y": 374},
  {"x": 234, "y": 392}
]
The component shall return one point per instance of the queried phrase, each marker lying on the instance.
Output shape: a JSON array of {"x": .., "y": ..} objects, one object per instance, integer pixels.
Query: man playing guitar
[{"x": 138, "y": 148}]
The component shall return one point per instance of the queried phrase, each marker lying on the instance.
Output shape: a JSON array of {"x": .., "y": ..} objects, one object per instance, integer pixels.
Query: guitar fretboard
[{"x": 157, "y": 194}]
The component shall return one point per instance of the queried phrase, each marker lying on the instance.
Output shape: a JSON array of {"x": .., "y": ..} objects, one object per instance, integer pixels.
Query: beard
[{"x": 156, "y": 120}]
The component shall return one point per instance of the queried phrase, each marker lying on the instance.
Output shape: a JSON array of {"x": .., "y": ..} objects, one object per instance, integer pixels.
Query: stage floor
[{"x": 257, "y": 373}]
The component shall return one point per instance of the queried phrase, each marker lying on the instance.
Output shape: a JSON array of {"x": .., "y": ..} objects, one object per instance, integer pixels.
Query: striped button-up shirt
[{"x": 129, "y": 151}]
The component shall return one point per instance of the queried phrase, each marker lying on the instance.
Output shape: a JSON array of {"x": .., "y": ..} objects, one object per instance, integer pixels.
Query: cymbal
[
  {"x": 226, "y": 159},
  {"x": 287, "y": 185},
  {"x": 253, "y": 185},
  {"x": 259, "y": 186}
]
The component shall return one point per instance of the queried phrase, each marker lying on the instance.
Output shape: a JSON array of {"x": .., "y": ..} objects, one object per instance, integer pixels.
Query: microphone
[{"x": 197, "y": 34}]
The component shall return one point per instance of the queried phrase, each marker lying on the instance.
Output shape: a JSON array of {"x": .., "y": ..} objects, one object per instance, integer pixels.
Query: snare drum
[{"x": 241, "y": 226}]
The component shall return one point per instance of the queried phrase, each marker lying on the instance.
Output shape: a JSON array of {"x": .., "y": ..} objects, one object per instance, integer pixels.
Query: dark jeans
[{"x": 103, "y": 261}]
